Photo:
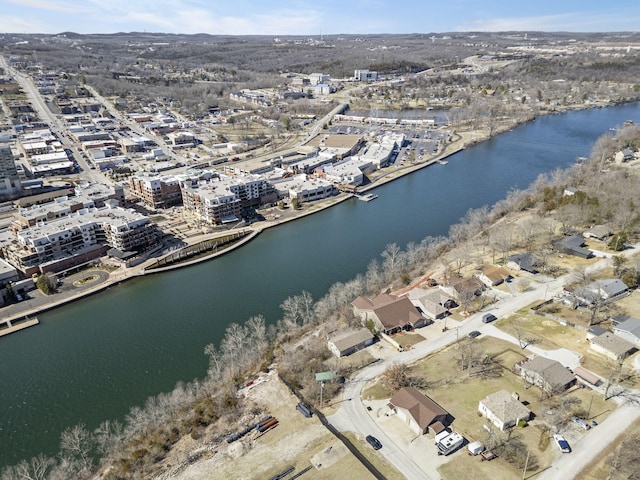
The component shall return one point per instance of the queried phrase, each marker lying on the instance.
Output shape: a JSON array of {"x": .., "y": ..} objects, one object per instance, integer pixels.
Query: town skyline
[{"x": 306, "y": 18}]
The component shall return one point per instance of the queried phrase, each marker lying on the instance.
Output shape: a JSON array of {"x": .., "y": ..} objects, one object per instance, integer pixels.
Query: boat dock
[
  {"x": 367, "y": 197},
  {"x": 11, "y": 326}
]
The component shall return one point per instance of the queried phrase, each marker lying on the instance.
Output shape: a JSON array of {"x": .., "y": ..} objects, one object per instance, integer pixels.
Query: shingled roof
[{"x": 424, "y": 410}]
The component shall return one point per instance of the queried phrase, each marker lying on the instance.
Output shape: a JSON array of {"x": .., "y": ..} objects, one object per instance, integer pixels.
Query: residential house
[
  {"x": 612, "y": 346},
  {"x": 606, "y": 291},
  {"x": 547, "y": 374},
  {"x": 493, "y": 275},
  {"x": 463, "y": 288},
  {"x": 522, "y": 261},
  {"x": 573, "y": 245},
  {"x": 350, "y": 340},
  {"x": 598, "y": 232},
  {"x": 419, "y": 411},
  {"x": 389, "y": 313},
  {"x": 503, "y": 409},
  {"x": 629, "y": 330},
  {"x": 433, "y": 304}
]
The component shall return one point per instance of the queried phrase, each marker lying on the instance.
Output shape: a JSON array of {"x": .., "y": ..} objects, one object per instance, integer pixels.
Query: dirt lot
[{"x": 296, "y": 441}]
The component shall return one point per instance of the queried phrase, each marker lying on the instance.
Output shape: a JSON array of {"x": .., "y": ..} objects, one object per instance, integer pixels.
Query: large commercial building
[
  {"x": 221, "y": 200},
  {"x": 9, "y": 180},
  {"x": 76, "y": 238}
]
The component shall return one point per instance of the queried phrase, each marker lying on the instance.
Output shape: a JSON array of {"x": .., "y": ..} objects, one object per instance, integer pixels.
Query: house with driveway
[
  {"x": 522, "y": 261},
  {"x": 419, "y": 412},
  {"x": 389, "y": 314},
  {"x": 549, "y": 375},
  {"x": 349, "y": 340},
  {"x": 433, "y": 304},
  {"x": 573, "y": 245}
]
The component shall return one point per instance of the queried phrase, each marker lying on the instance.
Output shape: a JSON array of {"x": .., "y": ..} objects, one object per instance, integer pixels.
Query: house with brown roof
[
  {"x": 419, "y": 411},
  {"x": 389, "y": 313},
  {"x": 551, "y": 376},
  {"x": 503, "y": 409},
  {"x": 493, "y": 275},
  {"x": 461, "y": 288}
]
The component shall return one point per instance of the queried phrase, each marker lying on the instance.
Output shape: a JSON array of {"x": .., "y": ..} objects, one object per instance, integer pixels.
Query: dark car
[
  {"x": 473, "y": 334},
  {"x": 374, "y": 442},
  {"x": 488, "y": 318}
]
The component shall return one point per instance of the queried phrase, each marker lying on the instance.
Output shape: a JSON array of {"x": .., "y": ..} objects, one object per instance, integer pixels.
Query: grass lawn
[
  {"x": 460, "y": 393},
  {"x": 551, "y": 335},
  {"x": 408, "y": 339}
]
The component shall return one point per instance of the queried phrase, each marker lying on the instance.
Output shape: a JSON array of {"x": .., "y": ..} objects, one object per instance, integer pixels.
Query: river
[{"x": 96, "y": 358}]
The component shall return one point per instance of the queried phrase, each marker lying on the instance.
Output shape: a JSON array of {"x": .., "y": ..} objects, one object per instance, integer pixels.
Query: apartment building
[
  {"x": 10, "y": 185},
  {"x": 156, "y": 192},
  {"x": 76, "y": 238}
]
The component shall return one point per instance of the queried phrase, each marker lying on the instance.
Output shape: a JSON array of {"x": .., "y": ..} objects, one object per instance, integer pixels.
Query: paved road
[
  {"x": 45, "y": 114},
  {"x": 590, "y": 445},
  {"x": 353, "y": 416}
]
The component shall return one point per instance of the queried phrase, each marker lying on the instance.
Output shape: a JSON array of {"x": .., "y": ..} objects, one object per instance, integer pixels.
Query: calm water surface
[{"x": 96, "y": 358}]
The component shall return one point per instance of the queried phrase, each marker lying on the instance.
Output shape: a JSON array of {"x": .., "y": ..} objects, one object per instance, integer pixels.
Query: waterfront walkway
[{"x": 70, "y": 292}]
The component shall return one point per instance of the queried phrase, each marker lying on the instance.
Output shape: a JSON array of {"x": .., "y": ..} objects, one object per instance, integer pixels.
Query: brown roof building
[
  {"x": 389, "y": 313},
  {"x": 419, "y": 411}
]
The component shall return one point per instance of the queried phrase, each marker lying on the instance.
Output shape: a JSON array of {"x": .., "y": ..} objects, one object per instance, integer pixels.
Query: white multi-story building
[
  {"x": 77, "y": 238},
  {"x": 222, "y": 199}
]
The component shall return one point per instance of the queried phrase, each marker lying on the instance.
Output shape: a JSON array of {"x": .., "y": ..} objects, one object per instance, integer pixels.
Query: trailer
[{"x": 448, "y": 442}]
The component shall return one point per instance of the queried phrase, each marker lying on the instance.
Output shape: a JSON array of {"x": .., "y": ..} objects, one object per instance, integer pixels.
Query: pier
[{"x": 11, "y": 326}]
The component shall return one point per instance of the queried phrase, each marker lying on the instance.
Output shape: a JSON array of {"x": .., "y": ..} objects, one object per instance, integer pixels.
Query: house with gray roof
[
  {"x": 573, "y": 245},
  {"x": 503, "y": 409},
  {"x": 551, "y": 376},
  {"x": 607, "y": 291},
  {"x": 599, "y": 232},
  {"x": 612, "y": 346},
  {"x": 350, "y": 340},
  {"x": 430, "y": 302},
  {"x": 522, "y": 261},
  {"x": 629, "y": 330}
]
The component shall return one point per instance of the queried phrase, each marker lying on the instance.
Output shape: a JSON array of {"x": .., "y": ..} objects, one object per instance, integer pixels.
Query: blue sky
[{"x": 305, "y": 17}]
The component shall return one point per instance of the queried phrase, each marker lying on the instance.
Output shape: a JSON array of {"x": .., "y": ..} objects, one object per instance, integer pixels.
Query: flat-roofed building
[
  {"x": 77, "y": 238},
  {"x": 156, "y": 192},
  {"x": 10, "y": 185}
]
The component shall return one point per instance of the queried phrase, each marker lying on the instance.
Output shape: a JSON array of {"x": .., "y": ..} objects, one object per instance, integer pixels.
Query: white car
[{"x": 562, "y": 444}]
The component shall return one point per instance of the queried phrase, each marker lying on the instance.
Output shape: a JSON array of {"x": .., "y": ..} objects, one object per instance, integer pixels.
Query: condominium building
[
  {"x": 77, "y": 238},
  {"x": 9, "y": 180},
  {"x": 156, "y": 192},
  {"x": 222, "y": 199}
]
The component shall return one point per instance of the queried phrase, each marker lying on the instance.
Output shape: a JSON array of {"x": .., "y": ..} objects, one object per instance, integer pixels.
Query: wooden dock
[{"x": 12, "y": 326}]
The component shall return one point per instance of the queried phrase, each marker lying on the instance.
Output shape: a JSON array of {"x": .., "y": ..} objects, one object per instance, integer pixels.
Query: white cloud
[
  {"x": 574, "y": 22},
  {"x": 11, "y": 24},
  {"x": 55, "y": 6}
]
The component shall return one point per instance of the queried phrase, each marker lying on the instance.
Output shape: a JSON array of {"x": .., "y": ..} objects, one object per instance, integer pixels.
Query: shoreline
[{"x": 118, "y": 277}]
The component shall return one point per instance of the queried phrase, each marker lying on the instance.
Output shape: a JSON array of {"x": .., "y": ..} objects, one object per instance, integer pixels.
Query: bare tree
[{"x": 77, "y": 443}]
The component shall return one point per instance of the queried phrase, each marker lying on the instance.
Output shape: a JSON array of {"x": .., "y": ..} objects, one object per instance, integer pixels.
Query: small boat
[{"x": 442, "y": 162}]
